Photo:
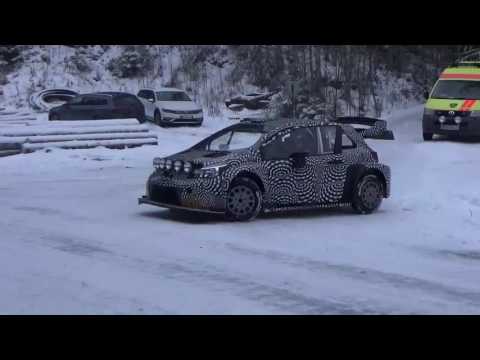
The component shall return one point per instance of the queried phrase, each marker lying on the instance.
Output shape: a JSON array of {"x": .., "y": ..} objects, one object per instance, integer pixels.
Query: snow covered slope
[{"x": 74, "y": 240}]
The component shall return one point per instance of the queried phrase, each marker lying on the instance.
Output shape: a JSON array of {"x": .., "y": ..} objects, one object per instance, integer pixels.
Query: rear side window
[
  {"x": 347, "y": 143},
  {"x": 89, "y": 101},
  {"x": 327, "y": 139},
  {"x": 127, "y": 102},
  {"x": 95, "y": 101},
  {"x": 146, "y": 94}
]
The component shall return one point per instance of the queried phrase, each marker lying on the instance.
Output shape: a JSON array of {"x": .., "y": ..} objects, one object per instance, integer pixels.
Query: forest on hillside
[{"x": 348, "y": 79}]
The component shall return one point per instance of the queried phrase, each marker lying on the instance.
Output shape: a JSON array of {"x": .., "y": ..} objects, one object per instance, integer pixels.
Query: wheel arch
[
  {"x": 355, "y": 173},
  {"x": 251, "y": 175}
]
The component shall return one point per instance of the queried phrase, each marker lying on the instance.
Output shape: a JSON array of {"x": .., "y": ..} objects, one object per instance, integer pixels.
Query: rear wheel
[
  {"x": 244, "y": 200},
  {"x": 427, "y": 136},
  {"x": 368, "y": 194}
]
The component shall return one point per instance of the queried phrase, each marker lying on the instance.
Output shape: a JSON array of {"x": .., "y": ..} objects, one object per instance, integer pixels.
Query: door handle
[{"x": 335, "y": 162}]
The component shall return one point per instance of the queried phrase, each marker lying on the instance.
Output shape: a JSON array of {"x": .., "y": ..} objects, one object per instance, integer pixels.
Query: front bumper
[
  {"x": 470, "y": 126},
  {"x": 145, "y": 200},
  {"x": 205, "y": 195},
  {"x": 192, "y": 119}
]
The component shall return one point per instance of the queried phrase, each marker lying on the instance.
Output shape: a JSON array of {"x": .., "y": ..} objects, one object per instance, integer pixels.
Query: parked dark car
[
  {"x": 275, "y": 165},
  {"x": 101, "y": 105}
]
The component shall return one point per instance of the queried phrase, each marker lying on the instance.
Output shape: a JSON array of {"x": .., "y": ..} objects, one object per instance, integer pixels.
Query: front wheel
[
  {"x": 244, "y": 200},
  {"x": 157, "y": 118},
  {"x": 368, "y": 194}
]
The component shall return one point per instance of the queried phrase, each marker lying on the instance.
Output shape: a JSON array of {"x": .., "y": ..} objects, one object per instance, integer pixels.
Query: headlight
[
  {"x": 441, "y": 119},
  {"x": 187, "y": 167},
  {"x": 168, "y": 164},
  {"x": 169, "y": 110},
  {"x": 159, "y": 163},
  {"x": 209, "y": 171},
  {"x": 177, "y": 165},
  {"x": 458, "y": 119},
  {"x": 428, "y": 112}
]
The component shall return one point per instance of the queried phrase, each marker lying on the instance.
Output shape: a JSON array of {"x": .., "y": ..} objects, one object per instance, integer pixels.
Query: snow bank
[
  {"x": 79, "y": 144},
  {"x": 77, "y": 134}
]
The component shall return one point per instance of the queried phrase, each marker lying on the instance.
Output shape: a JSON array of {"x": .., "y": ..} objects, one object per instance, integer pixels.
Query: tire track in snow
[
  {"x": 403, "y": 282},
  {"x": 279, "y": 297}
]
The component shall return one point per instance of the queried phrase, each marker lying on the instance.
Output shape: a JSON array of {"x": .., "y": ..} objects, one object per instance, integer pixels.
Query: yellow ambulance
[{"x": 453, "y": 105}]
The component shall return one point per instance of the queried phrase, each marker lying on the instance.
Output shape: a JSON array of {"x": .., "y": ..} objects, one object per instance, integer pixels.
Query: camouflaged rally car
[{"x": 275, "y": 165}]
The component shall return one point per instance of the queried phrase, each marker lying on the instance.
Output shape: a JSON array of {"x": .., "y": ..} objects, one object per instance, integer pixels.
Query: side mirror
[{"x": 299, "y": 159}]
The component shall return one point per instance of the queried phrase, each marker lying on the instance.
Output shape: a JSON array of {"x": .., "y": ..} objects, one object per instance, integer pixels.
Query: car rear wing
[{"x": 372, "y": 128}]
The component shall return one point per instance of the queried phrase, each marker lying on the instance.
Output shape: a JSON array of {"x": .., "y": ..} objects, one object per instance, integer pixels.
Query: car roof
[
  {"x": 109, "y": 93},
  {"x": 163, "y": 89},
  {"x": 462, "y": 71},
  {"x": 269, "y": 125}
]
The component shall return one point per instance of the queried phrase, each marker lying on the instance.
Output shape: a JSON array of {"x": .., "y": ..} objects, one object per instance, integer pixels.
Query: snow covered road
[{"x": 74, "y": 240}]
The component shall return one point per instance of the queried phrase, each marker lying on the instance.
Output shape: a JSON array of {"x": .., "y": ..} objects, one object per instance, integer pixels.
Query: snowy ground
[{"x": 74, "y": 240}]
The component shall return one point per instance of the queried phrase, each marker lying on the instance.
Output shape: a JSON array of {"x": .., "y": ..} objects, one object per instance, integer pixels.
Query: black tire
[
  {"x": 368, "y": 194},
  {"x": 427, "y": 136},
  {"x": 244, "y": 200},
  {"x": 53, "y": 117},
  {"x": 157, "y": 118}
]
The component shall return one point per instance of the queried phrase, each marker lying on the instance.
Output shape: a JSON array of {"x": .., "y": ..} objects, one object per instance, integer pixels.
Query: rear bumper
[
  {"x": 470, "y": 126},
  {"x": 145, "y": 200}
]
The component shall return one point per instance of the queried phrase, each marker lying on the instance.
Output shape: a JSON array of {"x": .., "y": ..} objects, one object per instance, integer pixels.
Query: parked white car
[{"x": 170, "y": 106}]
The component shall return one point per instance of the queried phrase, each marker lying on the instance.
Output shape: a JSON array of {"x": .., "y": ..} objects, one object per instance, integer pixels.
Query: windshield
[
  {"x": 457, "y": 89},
  {"x": 172, "y": 96},
  {"x": 234, "y": 140}
]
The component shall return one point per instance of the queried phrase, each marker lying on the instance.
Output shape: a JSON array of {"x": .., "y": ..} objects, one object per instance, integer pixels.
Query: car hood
[
  {"x": 204, "y": 158},
  {"x": 179, "y": 105}
]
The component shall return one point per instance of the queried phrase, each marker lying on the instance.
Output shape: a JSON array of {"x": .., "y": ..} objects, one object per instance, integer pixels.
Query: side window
[
  {"x": 150, "y": 94},
  {"x": 347, "y": 143},
  {"x": 95, "y": 101},
  {"x": 327, "y": 139},
  {"x": 126, "y": 102},
  {"x": 300, "y": 140},
  {"x": 141, "y": 94},
  {"x": 220, "y": 143},
  {"x": 76, "y": 100}
]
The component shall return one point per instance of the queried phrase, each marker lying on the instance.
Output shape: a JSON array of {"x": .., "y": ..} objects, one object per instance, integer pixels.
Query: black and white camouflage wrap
[{"x": 318, "y": 184}]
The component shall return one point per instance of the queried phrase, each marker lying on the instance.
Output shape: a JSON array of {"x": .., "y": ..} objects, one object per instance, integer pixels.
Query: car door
[
  {"x": 289, "y": 168},
  {"x": 147, "y": 97},
  {"x": 128, "y": 106},
  {"x": 329, "y": 166},
  {"x": 99, "y": 107},
  {"x": 76, "y": 109}
]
